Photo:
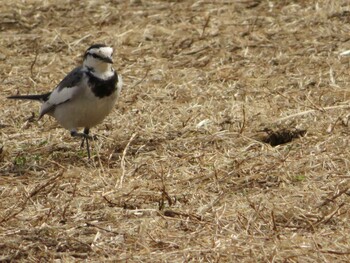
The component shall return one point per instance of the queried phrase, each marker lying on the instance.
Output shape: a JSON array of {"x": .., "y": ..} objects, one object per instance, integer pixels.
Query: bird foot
[{"x": 80, "y": 134}]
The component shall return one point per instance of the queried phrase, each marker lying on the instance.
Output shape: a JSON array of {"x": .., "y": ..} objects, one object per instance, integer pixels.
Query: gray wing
[
  {"x": 72, "y": 79},
  {"x": 64, "y": 92}
]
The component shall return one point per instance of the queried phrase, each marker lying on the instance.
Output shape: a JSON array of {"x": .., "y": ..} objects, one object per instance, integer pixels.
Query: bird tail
[{"x": 40, "y": 97}]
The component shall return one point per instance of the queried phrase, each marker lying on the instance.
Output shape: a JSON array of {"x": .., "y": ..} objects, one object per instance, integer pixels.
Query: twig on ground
[{"x": 123, "y": 160}]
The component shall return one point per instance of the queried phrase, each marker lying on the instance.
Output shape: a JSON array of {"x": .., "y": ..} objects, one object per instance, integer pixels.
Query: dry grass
[{"x": 179, "y": 171}]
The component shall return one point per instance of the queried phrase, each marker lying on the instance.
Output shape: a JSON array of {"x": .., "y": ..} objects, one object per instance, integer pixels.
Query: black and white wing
[{"x": 64, "y": 92}]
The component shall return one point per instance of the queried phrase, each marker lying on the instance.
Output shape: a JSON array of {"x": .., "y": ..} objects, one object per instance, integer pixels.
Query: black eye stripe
[
  {"x": 96, "y": 56},
  {"x": 99, "y": 57}
]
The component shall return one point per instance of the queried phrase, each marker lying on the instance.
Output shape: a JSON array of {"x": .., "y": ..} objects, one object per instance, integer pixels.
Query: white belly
[{"x": 84, "y": 111}]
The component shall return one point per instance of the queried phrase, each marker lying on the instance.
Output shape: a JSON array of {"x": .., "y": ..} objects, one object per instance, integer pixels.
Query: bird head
[{"x": 98, "y": 58}]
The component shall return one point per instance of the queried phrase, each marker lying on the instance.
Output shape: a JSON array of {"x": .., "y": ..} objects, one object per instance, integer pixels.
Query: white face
[
  {"x": 102, "y": 51},
  {"x": 101, "y": 54},
  {"x": 99, "y": 60}
]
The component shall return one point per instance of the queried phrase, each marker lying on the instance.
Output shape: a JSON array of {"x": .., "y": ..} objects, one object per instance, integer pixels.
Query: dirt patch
[{"x": 282, "y": 136}]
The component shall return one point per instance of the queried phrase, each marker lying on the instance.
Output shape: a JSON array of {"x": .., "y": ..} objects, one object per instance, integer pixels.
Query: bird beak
[{"x": 108, "y": 60}]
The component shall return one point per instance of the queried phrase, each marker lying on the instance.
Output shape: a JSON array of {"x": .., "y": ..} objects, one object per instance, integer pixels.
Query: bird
[{"x": 85, "y": 96}]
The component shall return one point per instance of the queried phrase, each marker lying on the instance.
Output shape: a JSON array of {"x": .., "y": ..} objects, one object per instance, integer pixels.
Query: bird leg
[{"x": 85, "y": 135}]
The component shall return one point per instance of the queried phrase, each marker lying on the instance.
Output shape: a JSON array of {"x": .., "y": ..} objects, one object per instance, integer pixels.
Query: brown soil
[{"x": 182, "y": 170}]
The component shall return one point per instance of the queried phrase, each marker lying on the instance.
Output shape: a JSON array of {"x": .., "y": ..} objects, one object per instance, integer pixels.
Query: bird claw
[
  {"x": 79, "y": 134},
  {"x": 83, "y": 135}
]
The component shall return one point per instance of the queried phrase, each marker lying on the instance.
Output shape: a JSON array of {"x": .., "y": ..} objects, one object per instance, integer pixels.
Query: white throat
[{"x": 98, "y": 68}]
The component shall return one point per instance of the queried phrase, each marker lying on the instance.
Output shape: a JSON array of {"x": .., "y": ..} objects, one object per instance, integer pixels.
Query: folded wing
[{"x": 64, "y": 92}]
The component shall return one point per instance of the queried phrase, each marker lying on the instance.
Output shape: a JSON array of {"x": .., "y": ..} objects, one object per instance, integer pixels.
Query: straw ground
[{"x": 182, "y": 170}]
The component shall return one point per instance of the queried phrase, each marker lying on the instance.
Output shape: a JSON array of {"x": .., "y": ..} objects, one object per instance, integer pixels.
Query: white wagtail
[{"x": 85, "y": 96}]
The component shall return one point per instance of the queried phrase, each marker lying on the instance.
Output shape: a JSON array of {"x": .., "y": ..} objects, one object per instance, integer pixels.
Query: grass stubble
[{"x": 181, "y": 169}]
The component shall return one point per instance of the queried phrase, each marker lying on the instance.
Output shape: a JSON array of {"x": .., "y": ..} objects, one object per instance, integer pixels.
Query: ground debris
[
  {"x": 183, "y": 168},
  {"x": 282, "y": 136}
]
